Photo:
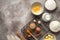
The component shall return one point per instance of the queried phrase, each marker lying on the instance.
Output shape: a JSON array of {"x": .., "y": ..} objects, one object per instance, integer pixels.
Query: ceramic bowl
[
  {"x": 39, "y": 4},
  {"x": 50, "y": 34},
  {"x": 46, "y": 17}
]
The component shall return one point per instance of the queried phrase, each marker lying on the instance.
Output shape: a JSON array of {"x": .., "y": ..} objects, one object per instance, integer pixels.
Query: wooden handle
[
  {"x": 20, "y": 36},
  {"x": 32, "y": 35}
]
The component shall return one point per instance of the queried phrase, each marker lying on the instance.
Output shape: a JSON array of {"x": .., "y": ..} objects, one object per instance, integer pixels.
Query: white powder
[{"x": 50, "y": 5}]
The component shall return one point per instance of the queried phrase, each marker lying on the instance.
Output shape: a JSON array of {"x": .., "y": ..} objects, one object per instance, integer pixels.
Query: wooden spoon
[{"x": 31, "y": 34}]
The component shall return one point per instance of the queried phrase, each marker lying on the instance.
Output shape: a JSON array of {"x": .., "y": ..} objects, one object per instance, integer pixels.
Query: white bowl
[
  {"x": 50, "y": 5},
  {"x": 54, "y": 26},
  {"x": 46, "y": 17},
  {"x": 41, "y": 11}
]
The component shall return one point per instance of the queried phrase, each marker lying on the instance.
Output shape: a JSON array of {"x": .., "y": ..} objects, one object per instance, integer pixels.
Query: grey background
[{"x": 15, "y": 14}]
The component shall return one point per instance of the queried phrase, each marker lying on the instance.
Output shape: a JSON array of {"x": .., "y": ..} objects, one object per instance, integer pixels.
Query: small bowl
[
  {"x": 41, "y": 8},
  {"x": 54, "y": 26},
  {"x": 50, "y": 34},
  {"x": 46, "y": 17}
]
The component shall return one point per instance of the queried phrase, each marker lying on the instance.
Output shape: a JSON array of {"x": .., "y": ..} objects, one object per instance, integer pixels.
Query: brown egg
[{"x": 38, "y": 29}]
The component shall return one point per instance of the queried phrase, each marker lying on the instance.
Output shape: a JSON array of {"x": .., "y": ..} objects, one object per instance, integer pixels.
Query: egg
[{"x": 38, "y": 29}]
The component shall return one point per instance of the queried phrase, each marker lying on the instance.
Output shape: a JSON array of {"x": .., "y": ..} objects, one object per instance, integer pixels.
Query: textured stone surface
[{"x": 14, "y": 14}]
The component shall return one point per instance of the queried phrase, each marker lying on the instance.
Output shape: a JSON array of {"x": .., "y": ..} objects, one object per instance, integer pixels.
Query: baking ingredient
[
  {"x": 54, "y": 26},
  {"x": 37, "y": 8},
  {"x": 50, "y": 4},
  {"x": 32, "y": 25},
  {"x": 49, "y": 37},
  {"x": 38, "y": 29},
  {"x": 46, "y": 17}
]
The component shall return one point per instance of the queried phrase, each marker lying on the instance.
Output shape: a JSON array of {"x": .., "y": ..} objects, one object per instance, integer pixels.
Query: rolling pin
[{"x": 20, "y": 36}]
